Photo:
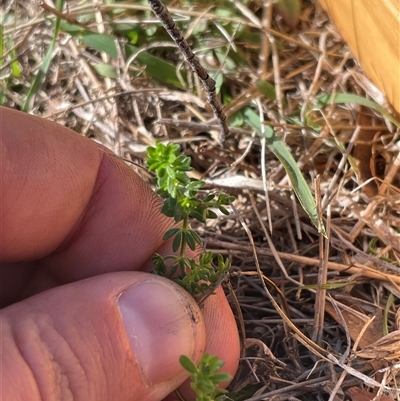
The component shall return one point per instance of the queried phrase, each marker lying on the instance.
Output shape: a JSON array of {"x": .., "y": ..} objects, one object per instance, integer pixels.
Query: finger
[
  {"x": 105, "y": 219},
  {"x": 113, "y": 337},
  {"x": 67, "y": 202},
  {"x": 69, "y": 210}
]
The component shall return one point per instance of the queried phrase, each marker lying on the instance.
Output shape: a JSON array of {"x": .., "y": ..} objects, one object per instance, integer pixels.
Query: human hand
[{"x": 81, "y": 320}]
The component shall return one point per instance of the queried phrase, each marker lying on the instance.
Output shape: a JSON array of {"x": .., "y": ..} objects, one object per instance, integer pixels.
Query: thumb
[{"x": 117, "y": 336}]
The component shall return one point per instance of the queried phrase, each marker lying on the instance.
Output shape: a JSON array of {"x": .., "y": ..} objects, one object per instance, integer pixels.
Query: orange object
[{"x": 371, "y": 28}]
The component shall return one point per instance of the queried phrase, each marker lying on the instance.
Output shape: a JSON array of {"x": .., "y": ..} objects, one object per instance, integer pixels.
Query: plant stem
[{"x": 185, "y": 226}]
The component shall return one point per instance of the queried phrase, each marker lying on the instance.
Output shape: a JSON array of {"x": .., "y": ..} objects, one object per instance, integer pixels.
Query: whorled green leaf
[
  {"x": 176, "y": 243},
  {"x": 196, "y": 237},
  {"x": 280, "y": 150},
  {"x": 190, "y": 241},
  {"x": 170, "y": 233}
]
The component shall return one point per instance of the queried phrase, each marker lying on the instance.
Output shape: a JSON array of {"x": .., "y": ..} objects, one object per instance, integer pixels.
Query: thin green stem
[{"x": 185, "y": 226}]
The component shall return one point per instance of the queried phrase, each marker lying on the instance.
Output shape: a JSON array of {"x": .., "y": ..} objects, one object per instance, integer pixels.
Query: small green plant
[
  {"x": 184, "y": 200},
  {"x": 205, "y": 377}
]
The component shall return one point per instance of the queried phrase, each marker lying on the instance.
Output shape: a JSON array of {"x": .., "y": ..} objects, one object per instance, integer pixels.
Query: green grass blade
[
  {"x": 280, "y": 150},
  {"x": 341, "y": 98},
  {"x": 44, "y": 68}
]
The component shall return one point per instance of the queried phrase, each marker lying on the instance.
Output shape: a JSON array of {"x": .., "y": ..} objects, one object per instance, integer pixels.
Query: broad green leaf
[
  {"x": 280, "y": 150},
  {"x": 266, "y": 89},
  {"x": 100, "y": 42},
  {"x": 156, "y": 67},
  {"x": 236, "y": 119},
  {"x": 340, "y": 98},
  {"x": 106, "y": 70}
]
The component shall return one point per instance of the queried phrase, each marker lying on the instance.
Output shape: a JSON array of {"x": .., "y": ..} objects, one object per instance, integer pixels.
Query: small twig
[{"x": 164, "y": 16}]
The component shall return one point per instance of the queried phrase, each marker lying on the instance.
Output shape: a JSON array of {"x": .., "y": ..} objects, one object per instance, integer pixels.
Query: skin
[{"x": 81, "y": 318}]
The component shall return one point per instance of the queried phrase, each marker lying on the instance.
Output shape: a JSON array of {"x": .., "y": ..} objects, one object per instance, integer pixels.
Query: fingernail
[{"x": 160, "y": 321}]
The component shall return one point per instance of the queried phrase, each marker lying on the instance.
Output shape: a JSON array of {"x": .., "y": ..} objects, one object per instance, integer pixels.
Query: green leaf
[
  {"x": 196, "y": 237},
  {"x": 16, "y": 69},
  {"x": 100, "y": 42},
  {"x": 280, "y": 150},
  {"x": 338, "y": 98},
  {"x": 190, "y": 241},
  {"x": 195, "y": 185},
  {"x": 176, "y": 243},
  {"x": 106, "y": 70},
  {"x": 169, "y": 207},
  {"x": 159, "y": 263},
  {"x": 290, "y": 10},
  {"x": 221, "y": 377},
  {"x": 188, "y": 364},
  {"x": 72, "y": 29},
  {"x": 223, "y": 210},
  {"x": 218, "y": 81},
  {"x": 197, "y": 215},
  {"x": 209, "y": 198},
  {"x": 156, "y": 67},
  {"x": 171, "y": 232},
  {"x": 211, "y": 214},
  {"x": 266, "y": 89}
]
